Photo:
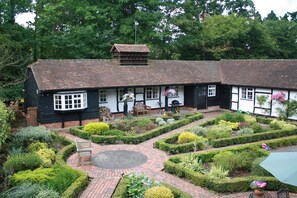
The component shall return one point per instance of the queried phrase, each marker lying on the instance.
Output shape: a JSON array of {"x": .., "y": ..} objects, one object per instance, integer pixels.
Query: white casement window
[
  {"x": 121, "y": 93},
  {"x": 102, "y": 96},
  {"x": 247, "y": 93},
  {"x": 175, "y": 88},
  {"x": 65, "y": 101},
  {"x": 152, "y": 93},
  {"x": 211, "y": 90}
]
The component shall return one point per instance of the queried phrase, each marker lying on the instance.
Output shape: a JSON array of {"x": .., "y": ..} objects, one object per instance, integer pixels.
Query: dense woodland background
[{"x": 173, "y": 29}]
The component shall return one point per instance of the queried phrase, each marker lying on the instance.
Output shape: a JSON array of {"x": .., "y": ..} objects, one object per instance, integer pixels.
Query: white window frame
[
  {"x": 67, "y": 101},
  {"x": 121, "y": 94},
  {"x": 212, "y": 89},
  {"x": 247, "y": 93},
  {"x": 103, "y": 96},
  {"x": 152, "y": 93},
  {"x": 175, "y": 88}
]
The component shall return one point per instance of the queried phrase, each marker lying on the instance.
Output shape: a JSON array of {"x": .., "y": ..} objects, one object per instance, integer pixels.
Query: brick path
[{"x": 104, "y": 181}]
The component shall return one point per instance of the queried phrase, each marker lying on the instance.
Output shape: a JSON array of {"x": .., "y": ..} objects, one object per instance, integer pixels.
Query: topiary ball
[{"x": 158, "y": 192}]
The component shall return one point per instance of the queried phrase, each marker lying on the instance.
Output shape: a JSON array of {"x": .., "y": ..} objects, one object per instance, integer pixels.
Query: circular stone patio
[{"x": 119, "y": 159}]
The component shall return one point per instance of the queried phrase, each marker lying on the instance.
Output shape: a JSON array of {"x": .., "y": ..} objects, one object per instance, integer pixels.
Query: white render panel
[
  {"x": 262, "y": 111},
  {"x": 267, "y": 103},
  {"x": 234, "y": 89},
  {"x": 263, "y": 90},
  {"x": 180, "y": 97},
  {"x": 245, "y": 105},
  {"x": 234, "y": 98},
  {"x": 111, "y": 100},
  {"x": 234, "y": 106}
]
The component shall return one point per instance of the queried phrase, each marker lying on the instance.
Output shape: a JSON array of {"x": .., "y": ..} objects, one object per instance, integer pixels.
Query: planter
[{"x": 258, "y": 192}]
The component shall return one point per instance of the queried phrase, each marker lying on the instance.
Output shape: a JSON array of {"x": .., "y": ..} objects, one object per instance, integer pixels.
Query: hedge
[
  {"x": 234, "y": 184},
  {"x": 121, "y": 189},
  {"x": 252, "y": 137},
  {"x": 169, "y": 145},
  {"x": 82, "y": 181},
  {"x": 135, "y": 139}
]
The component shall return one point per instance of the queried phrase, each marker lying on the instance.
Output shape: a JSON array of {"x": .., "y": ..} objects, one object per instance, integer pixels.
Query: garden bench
[
  {"x": 84, "y": 151},
  {"x": 140, "y": 107}
]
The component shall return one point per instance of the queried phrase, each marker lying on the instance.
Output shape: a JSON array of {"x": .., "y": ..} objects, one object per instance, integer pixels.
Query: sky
[{"x": 280, "y": 7}]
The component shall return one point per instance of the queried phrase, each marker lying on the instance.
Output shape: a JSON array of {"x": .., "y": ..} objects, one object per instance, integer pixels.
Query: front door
[{"x": 202, "y": 97}]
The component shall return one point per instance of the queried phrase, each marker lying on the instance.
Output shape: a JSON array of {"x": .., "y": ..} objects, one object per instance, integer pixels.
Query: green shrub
[
  {"x": 192, "y": 163},
  {"x": 23, "y": 190},
  {"x": 217, "y": 172},
  {"x": 250, "y": 119},
  {"x": 171, "y": 120},
  {"x": 36, "y": 146},
  {"x": 233, "y": 125},
  {"x": 151, "y": 126},
  {"x": 198, "y": 130},
  {"x": 15, "y": 151},
  {"x": 39, "y": 175},
  {"x": 47, "y": 193},
  {"x": 218, "y": 131},
  {"x": 258, "y": 170},
  {"x": 64, "y": 177},
  {"x": 232, "y": 117},
  {"x": 277, "y": 124},
  {"x": 142, "y": 123},
  {"x": 47, "y": 156},
  {"x": 6, "y": 117},
  {"x": 96, "y": 128},
  {"x": 30, "y": 135},
  {"x": 226, "y": 159},
  {"x": 289, "y": 126},
  {"x": 158, "y": 192},
  {"x": 245, "y": 131},
  {"x": 162, "y": 123},
  {"x": 113, "y": 132},
  {"x": 22, "y": 162},
  {"x": 186, "y": 137},
  {"x": 257, "y": 128},
  {"x": 123, "y": 125},
  {"x": 159, "y": 120}
]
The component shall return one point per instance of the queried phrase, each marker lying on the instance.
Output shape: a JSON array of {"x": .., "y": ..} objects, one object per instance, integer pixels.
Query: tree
[
  {"x": 271, "y": 16},
  {"x": 10, "y": 8}
]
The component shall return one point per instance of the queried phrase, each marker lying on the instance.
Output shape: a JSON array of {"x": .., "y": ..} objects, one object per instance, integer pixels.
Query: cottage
[{"x": 61, "y": 93}]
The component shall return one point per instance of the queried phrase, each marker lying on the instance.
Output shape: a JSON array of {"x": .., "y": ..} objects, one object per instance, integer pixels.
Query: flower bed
[
  {"x": 46, "y": 173},
  {"x": 135, "y": 138},
  {"x": 236, "y": 184},
  {"x": 121, "y": 190},
  {"x": 171, "y": 146}
]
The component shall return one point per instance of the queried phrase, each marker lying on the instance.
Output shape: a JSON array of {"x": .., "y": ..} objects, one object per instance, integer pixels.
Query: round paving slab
[{"x": 120, "y": 159}]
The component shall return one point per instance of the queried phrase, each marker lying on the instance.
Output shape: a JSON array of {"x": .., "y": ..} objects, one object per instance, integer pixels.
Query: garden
[
  {"x": 132, "y": 130},
  {"x": 227, "y": 129},
  {"x": 35, "y": 166}
]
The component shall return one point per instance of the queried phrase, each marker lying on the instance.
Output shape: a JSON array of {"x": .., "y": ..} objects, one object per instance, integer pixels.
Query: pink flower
[
  {"x": 264, "y": 145},
  {"x": 261, "y": 184}
]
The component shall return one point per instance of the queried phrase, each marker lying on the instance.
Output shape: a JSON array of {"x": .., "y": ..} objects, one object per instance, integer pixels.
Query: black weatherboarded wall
[
  {"x": 31, "y": 94},
  {"x": 47, "y": 114}
]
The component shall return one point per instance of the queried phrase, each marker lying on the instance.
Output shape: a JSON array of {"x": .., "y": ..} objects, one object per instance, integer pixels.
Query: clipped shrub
[
  {"x": 113, "y": 132},
  {"x": 258, "y": 170},
  {"x": 232, "y": 117},
  {"x": 96, "y": 128},
  {"x": 186, "y": 137},
  {"x": 217, "y": 172},
  {"x": 30, "y": 135},
  {"x": 47, "y": 156},
  {"x": 171, "y": 120},
  {"x": 158, "y": 191},
  {"x": 198, "y": 130},
  {"x": 233, "y": 125},
  {"x": 22, "y": 162},
  {"x": 250, "y": 119},
  {"x": 245, "y": 131},
  {"x": 39, "y": 175},
  {"x": 159, "y": 120},
  {"x": 257, "y": 128},
  {"x": 162, "y": 123},
  {"x": 190, "y": 162},
  {"x": 36, "y": 146},
  {"x": 218, "y": 131},
  {"x": 142, "y": 123}
]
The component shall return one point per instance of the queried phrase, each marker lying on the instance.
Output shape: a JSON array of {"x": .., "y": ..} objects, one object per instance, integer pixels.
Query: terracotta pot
[{"x": 258, "y": 192}]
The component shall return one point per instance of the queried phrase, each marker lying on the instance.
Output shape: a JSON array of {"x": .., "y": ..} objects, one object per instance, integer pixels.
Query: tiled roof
[
  {"x": 130, "y": 48},
  {"x": 83, "y": 74},
  {"x": 260, "y": 73}
]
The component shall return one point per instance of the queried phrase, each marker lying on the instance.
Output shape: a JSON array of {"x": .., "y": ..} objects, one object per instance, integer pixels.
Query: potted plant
[{"x": 258, "y": 187}]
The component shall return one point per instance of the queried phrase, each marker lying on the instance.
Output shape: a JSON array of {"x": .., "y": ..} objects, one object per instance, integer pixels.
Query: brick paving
[{"x": 104, "y": 181}]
